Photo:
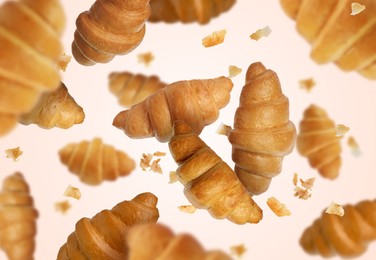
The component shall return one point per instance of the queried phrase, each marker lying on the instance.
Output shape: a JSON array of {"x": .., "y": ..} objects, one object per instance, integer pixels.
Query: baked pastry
[
  {"x": 335, "y": 35},
  {"x": 262, "y": 134}
]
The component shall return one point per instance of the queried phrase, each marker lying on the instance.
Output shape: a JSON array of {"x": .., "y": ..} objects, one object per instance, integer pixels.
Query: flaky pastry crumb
[
  {"x": 155, "y": 167},
  {"x": 146, "y": 58},
  {"x": 62, "y": 206},
  {"x": 356, "y": 8},
  {"x": 14, "y": 153},
  {"x": 308, "y": 184},
  {"x": 233, "y": 71},
  {"x": 63, "y": 61},
  {"x": 295, "y": 179},
  {"x": 173, "y": 177},
  {"x": 189, "y": 209},
  {"x": 336, "y": 209},
  {"x": 341, "y": 130},
  {"x": 145, "y": 161},
  {"x": 301, "y": 193},
  {"x": 277, "y": 207},
  {"x": 159, "y": 154},
  {"x": 264, "y": 32},
  {"x": 213, "y": 39},
  {"x": 354, "y": 146},
  {"x": 223, "y": 129},
  {"x": 238, "y": 250},
  {"x": 307, "y": 84},
  {"x": 72, "y": 192}
]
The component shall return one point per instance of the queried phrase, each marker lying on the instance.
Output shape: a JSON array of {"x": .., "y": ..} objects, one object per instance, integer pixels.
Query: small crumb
[
  {"x": 238, "y": 250},
  {"x": 63, "y": 61},
  {"x": 14, "y": 153},
  {"x": 72, "y": 192},
  {"x": 308, "y": 184},
  {"x": 145, "y": 161},
  {"x": 173, "y": 177},
  {"x": 223, "y": 129},
  {"x": 277, "y": 207},
  {"x": 341, "y": 130},
  {"x": 155, "y": 167},
  {"x": 264, "y": 32},
  {"x": 301, "y": 193},
  {"x": 356, "y": 8},
  {"x": 336, "y": 209},
  {"x": 159, "y": 154},
  {"x": 189, "y": 209},
  {"x": 295, "y": 179},
  {"x": 145, "y": 58},
  {"x": 307, "y": 84},
  {"x": 354, "y": 146},
  {"x": 213, "y": 39},
  {"x": 233, "y": 71},
  {"x": 62, "y": 206}
]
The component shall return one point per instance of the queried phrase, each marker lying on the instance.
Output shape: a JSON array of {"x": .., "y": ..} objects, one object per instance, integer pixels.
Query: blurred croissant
[
  {"x": 347, "y": 236},
  {"x": 30, "y": 48},
  {"x": 17, "y": 219},
  {"x": 262, "y": 133},
  {"x": 159, "y": 242},
  {"x": 104, "y": 235},
  {"x": 109, "y": 28},
  {"x": 196, "y": 102},
  {"x": 133, "y": 88},
  {"x": 317, "y": 140},
  {"x": 335, "y": 35},
  {"x": 55, "y": 109},
  {"x": 188, "y": 11},
  {"x": 209, "y": 182},
  {"x": 95, "y": 161}
]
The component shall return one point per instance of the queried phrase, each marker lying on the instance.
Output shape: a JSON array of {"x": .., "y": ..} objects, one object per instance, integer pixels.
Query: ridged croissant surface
[
  {"x": 30, "y": 33},
  {"x": 18, "y": 218},
  {"x": 188, "y": 11},
  {"x": 347, "y": 236},
  {"x": 196, "y": 102},
  {"x": 262, "y": 134},
  {"x": 131, "y": 89},
  {"x": 55, "y": 109},
  {"x": 318, "y": 142},
  {"x": 209, "y": 183},
  {"x": 104, "y": 235},
  {"x": 109, "y": 28},
  {"x": 335, "y": 35},
  {"x": 159, "y": 242},
  {"x": 93, "y": 161}
]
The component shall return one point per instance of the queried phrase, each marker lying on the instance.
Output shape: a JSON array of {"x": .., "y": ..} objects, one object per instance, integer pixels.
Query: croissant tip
[
  {"x": 254, "y": 70},
  {"x": 119, "y": 119}
]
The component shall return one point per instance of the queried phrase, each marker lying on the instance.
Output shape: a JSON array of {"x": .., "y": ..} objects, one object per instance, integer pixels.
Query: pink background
[{"x": 179, "y": 55}]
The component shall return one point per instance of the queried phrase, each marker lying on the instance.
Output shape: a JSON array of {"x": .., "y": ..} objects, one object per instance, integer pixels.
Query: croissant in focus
[
  {"x": 185, "y": 11},
  {"x": 209, "y": 182},
  {"x": 104, "y": 235},
  {"x": 262, "y": 133},
  {"x": 109, "y": 28},
  {"x": 196, "y": 102},
  {"x": 17, "y": 219},
  {"x": 30, "y": 48},
  {"x": 335, "y": 35},
  {"x": 159, "y": 242},
  {"x": 317, "y": 140},
  {"x": 347, "y": 236},
  {"x": 55, "y": 109},
  {"x": 95, "y": 161},
  {"x": 133, "y": 88}
]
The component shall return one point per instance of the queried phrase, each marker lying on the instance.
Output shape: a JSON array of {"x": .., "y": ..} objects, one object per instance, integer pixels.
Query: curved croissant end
[
  {"x": 17, "y": 219},
  {"x": 109, "y": 28},
  {"x": 262, "y": 134},
  {"x": 95, "y": 161},
  {"x": 103, "y": 236}
]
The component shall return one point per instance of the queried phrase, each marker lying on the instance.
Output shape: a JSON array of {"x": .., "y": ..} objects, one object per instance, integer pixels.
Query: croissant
[
  {"x": 196, "y": 102},
  {"x": 317, "y": 140},
  {"x": 209, "y": 183},
  {"x": 95, "y": 161},
  {"x": 17, "y": 219},
  {"x": 335, "y": 35},
  {"x": 103, "y": 236},
  {"x": 159, "y": 242},
  {"x": 346, "y": 236},
  {"x": 109, "y": 28},
  {"x": 55, "y": 109},
  {"x": 262, "y": 134},
  {"x": 133, "y": 88},
  {"x": 188, "y": 11},
  {"x": 30, "y": 47}
]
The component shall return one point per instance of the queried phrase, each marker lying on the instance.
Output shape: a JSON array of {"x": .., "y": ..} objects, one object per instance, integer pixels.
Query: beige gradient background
[{"x": 179, "y": 55}]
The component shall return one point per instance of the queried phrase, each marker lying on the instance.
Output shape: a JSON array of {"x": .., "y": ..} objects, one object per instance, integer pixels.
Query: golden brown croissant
[
  {"x": 30, "y": 47},
  {"x": 196, "y": 102},
  {"x": 209, "y": 182},
  {"x": 95, "y": 161},
  {"x": 55, "y": 109},
  {"x": 335, "y": 35},
  {"x": 17, "y": 219},
  {"x": 317, "y": 140},
  {"x": 104, "y": 235},
  {"x": 133, "y": 88},
  {"x": 188, "y": 11},
  {"x": 109, "y": 28},
  {"x": 159, "y": 242},
  {"x": 262, "y": 133},
  {"x": 346, "y": 236}
]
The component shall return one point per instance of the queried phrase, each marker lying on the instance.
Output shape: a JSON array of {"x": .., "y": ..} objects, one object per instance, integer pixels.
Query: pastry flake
[
  {"x": 189, "y": 209},
  {"x": 357, "y": 8},
  {"x": 63, "y": 206},
  {"x": 277, "y": 207},
  {"x": 173, "y": 177},
  {"x": 354, "y": 146},
  {"x": 341, "y": 130},
  {"x": 145, "y": 58},
  {"x": 223, "y": 129},
  {"x": 63, "y": 61},
  {"x": 233, "y": 71},
  {"x": 217, "y": 37},
  {"x": 14, "y": 153},
  {"x": 307, "y": 84},
  {"x": 264, "y": 32},
  {"x": 72, "y": 192},
  {"x": 238, "y": 250}
]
